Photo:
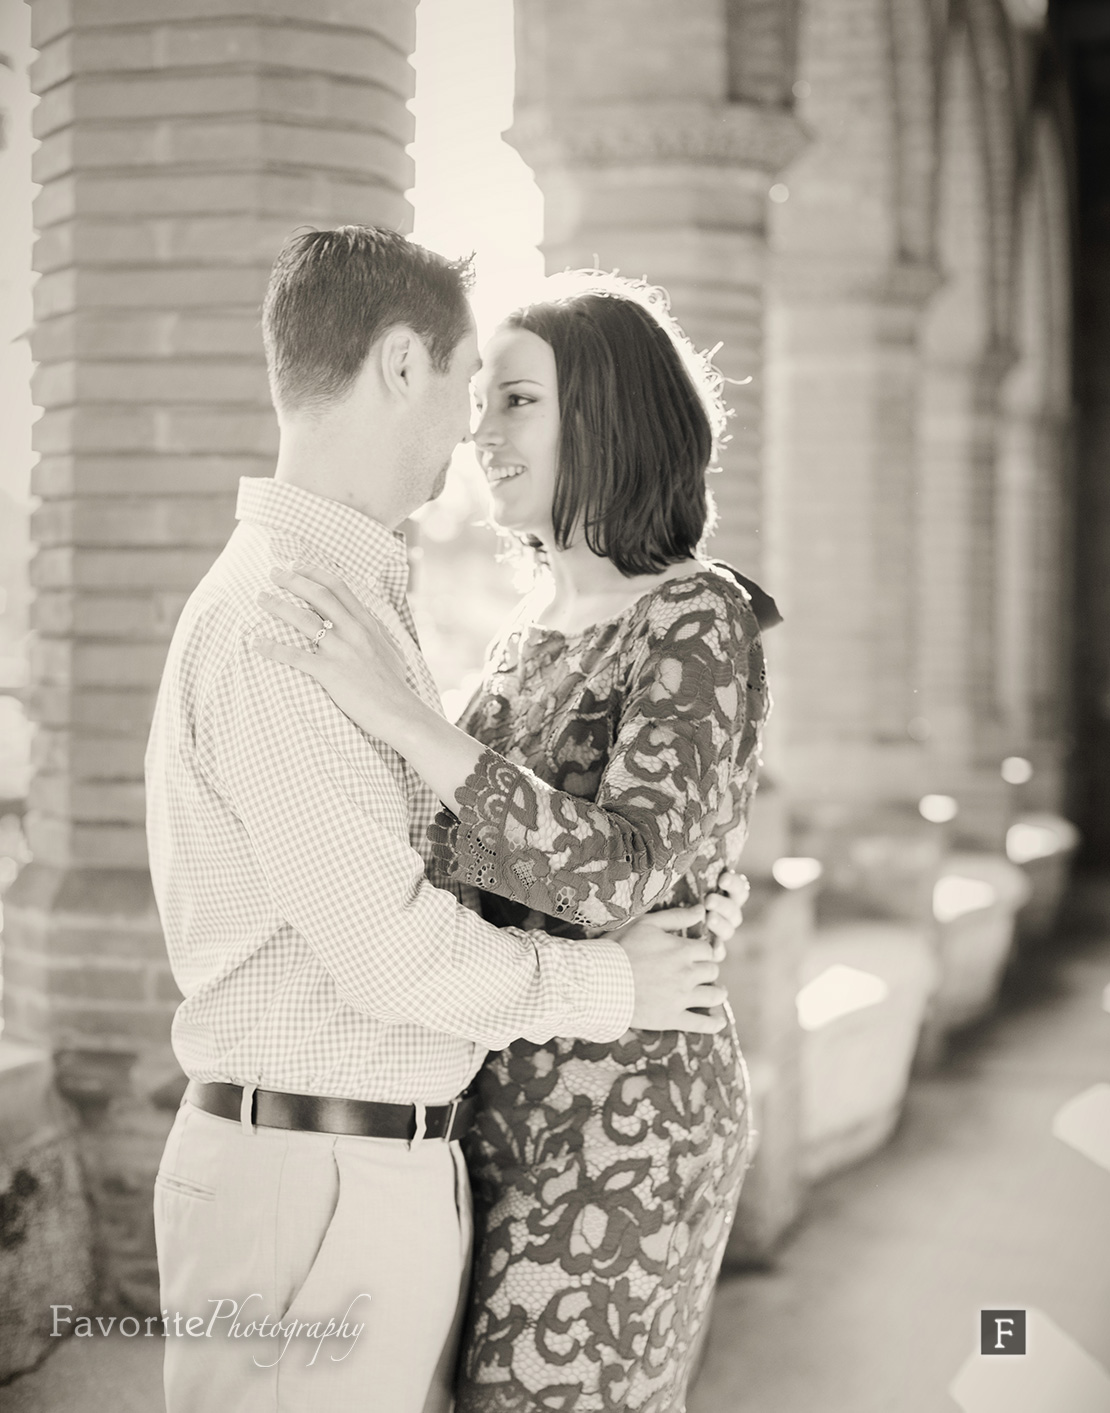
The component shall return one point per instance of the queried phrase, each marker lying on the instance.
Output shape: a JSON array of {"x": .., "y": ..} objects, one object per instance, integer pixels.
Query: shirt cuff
[{"x": 606, "y": 991}]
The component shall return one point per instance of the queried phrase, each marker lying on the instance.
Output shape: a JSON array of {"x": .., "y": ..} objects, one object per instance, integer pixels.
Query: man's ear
[{"x": 399, "y": 360}]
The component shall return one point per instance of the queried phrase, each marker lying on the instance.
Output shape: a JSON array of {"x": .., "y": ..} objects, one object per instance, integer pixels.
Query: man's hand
[
  {"x": 724, "y": 910},
  {"x": 672, "y": 975}
]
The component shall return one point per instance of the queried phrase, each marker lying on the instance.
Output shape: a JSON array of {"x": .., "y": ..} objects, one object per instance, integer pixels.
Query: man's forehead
[{"x": 468, "y": 349}]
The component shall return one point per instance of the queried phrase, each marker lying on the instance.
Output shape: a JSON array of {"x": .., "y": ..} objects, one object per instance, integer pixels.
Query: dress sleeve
[{"x": 693, "y": 689}]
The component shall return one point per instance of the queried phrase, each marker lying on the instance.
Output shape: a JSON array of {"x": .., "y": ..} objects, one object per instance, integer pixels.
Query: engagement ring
[{"x": 323, "y": 628}]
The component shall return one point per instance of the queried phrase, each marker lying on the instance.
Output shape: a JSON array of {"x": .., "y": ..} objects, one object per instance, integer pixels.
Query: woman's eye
[{"x": 519, "y": 400}]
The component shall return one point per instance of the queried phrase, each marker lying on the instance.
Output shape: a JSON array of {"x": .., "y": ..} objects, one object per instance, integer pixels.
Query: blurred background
[{"x": 892, "y": 219}]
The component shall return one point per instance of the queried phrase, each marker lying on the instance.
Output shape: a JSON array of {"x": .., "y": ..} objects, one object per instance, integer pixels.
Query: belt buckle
[{"x": 452, "y": 1110}]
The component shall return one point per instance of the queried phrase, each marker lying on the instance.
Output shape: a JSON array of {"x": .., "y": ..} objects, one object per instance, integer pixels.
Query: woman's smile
[{"x": 496, "y": 474}]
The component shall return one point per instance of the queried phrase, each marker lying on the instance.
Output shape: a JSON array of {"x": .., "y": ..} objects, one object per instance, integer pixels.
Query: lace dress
[{"x": 621, "y": 765}]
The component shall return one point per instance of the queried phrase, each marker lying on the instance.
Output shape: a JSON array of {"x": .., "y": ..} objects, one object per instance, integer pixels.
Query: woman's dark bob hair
[{"x": 640, "y": 421}]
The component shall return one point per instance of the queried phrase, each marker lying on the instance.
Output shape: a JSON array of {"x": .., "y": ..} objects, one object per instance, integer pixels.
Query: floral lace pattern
[
  {"x": 616, "y": 766},
  {"x": 620, "y": 769}
]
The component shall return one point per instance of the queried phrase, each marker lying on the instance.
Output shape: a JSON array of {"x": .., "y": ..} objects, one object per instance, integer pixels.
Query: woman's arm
[
  {"x": 689, "y": 721},
  {"x": 362, "y": 667},
  {"x": 688, "y": 735}
]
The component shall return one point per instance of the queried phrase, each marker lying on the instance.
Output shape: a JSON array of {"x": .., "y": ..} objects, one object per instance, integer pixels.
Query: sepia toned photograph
[{"x": 554, "y": 706}]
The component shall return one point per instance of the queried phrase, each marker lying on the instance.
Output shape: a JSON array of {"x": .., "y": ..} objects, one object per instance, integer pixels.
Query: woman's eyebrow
[{"x": 513, "y": 381}]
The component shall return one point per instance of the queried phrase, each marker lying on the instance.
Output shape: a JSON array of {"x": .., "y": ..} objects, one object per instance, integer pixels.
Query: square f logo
[{"x": 1001, "y": 1331}]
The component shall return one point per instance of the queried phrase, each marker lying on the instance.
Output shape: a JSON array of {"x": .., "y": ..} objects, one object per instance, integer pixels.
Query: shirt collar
[{"x": 349, "y": 540}]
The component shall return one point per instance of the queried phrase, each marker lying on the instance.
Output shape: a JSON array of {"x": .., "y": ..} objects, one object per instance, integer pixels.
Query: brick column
[
  {"x": 1035, "y": 559},
  {"x": 841, "y": 519},
  {"x": 852, "y": 271},
  {"x": 181, "y": 141},
  {"x": 959, "y": 549},
  {"x": 968, "y": 350},
  {"x": 628, "y": 114}
]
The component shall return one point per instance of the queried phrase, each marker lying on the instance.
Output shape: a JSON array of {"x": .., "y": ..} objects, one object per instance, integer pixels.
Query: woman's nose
[{"x": 484, "y": 430}]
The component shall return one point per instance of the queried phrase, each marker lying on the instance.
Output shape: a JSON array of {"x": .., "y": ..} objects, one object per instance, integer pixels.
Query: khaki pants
[{"x": 266, "y": 1236}]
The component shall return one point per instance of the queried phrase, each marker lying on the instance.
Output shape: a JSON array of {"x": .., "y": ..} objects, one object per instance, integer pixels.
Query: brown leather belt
[{"x": 315, "y": 1113}]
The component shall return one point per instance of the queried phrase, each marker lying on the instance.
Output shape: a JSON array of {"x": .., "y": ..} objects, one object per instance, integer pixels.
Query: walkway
[{"x": 874, "y": 1304}]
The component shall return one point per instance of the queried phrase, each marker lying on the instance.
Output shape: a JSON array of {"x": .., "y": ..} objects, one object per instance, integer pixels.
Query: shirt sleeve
[
  {"x": 694, "y": 699},
  {"x": 326, "y": 811}
]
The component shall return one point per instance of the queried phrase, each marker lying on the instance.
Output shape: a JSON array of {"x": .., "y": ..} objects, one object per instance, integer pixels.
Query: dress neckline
[{"x": 541, "y": 630}]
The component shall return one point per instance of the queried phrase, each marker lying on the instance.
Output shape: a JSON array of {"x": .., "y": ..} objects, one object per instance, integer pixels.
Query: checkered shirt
[{"x": 288, "y": 853}]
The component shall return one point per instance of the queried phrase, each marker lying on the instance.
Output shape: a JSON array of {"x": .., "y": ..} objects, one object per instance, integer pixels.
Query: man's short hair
[
  {"x": 332, "y": 294},
  {"x": 640, "y": 416}
]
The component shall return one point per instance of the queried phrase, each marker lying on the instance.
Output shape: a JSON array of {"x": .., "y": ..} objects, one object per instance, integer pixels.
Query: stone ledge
[
  {"x": 762, "y": 974},
  {"x": 974, "y": 940},
  {"x": 26, "y": 1072},
  {"x": 718, "y": 134},
  {"x": 855, "y": 1066},
  {"x": 45, "y": 1228}
]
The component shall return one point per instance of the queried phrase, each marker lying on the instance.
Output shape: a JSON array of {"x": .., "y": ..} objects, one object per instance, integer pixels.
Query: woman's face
[{"x": 517, "y": 431}]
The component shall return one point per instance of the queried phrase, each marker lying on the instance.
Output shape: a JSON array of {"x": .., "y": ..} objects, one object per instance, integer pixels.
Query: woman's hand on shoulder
[{"x": 349, "y": 652}]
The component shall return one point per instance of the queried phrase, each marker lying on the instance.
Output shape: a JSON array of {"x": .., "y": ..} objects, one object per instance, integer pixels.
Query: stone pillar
[
  {"x": 181, "y": 141},
  {"x": 967, "y": 352},
  {"x": 653, "y": 161},
  {"x": 851, "y": 272},
  {"x": 1035, "y": 559},
  {"x": 959, "y": 591},
  {"x": 841, "y": 516}
]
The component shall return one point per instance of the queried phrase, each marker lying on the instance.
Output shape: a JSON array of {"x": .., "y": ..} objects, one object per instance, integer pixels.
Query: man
[{"x": 337, "y": 1004}]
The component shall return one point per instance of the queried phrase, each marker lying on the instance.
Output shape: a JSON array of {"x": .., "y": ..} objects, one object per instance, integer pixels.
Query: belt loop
[
  {"x": 452, "y": 1110},
  {"x": 421, "y": 1123},
  {"x": 246, "y": 1108}
]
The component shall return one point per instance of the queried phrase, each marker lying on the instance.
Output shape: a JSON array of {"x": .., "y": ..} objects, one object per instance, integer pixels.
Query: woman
[{"x": 603, "y": 769}]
